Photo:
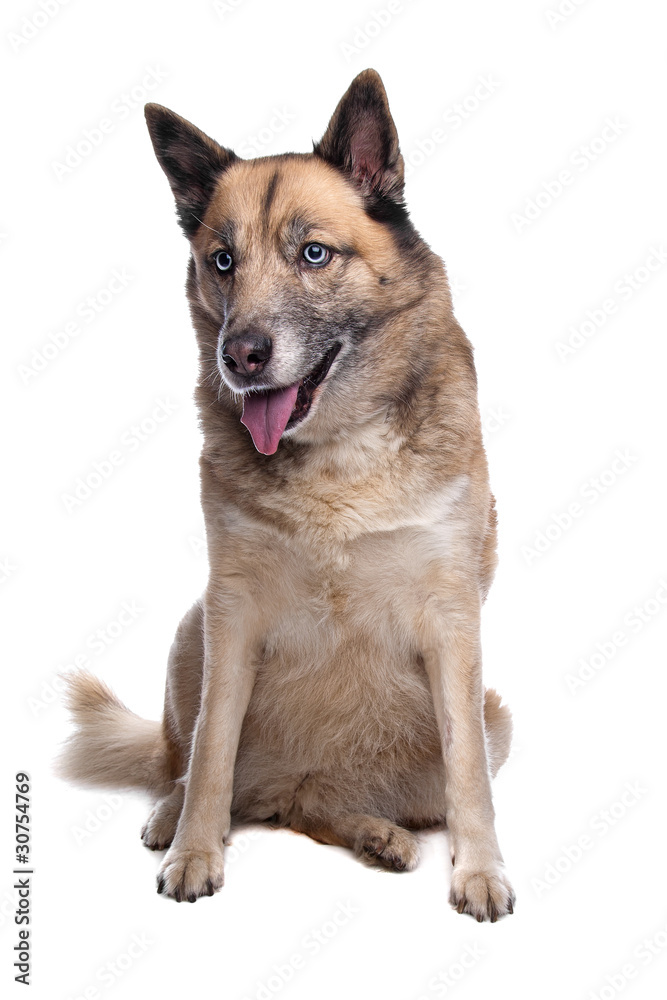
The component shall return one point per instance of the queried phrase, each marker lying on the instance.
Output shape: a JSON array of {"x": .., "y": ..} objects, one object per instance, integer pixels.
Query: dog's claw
[
  {"x": 485, "y": 895},
  {"x": 187, "y": 875},
  {"x": 388, "y": 845}
]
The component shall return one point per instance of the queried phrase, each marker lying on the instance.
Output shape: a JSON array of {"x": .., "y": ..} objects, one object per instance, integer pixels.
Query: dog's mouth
[{"x": 269, "y": 413}]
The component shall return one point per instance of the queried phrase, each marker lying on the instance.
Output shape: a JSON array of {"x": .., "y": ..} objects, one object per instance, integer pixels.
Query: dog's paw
[
  {"x": 388, "y": 845},
  {"x": 160, "y": 828},
  {"x": 186, "y": 875},
  {"x": 486, "y": 895}
]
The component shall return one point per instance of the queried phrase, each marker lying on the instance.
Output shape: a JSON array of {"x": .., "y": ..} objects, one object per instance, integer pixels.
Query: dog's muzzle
[{"x": 247, "y": 353}]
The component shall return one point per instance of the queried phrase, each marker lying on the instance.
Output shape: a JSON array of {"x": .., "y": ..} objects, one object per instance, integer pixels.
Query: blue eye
[
  {"x": 316, "y": 255},
  {"x": 223, "y": 261}
]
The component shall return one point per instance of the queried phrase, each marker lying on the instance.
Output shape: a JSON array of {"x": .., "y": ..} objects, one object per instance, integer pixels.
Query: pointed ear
[
  {"x": 191, "y": 161},
  {"x": 361, "y": 139}
]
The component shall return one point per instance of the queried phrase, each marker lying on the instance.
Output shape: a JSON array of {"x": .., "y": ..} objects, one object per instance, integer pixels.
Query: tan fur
[
  {"x": 330, "y": 678},
  {"x": 112, "y": 746}
]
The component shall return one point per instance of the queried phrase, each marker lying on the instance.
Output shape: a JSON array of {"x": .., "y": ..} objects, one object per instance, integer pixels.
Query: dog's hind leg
[{"x": 375, "y": 840}]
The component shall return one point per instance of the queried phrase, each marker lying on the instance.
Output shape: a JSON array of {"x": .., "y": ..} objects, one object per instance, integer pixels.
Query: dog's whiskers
[{"x": 207, "y": 227}]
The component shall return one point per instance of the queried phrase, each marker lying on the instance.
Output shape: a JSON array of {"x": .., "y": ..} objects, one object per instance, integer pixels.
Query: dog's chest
[
  {"x": 340, "y": 663},
  {"x": 366, "y": 591},
  {"x": 341, "y": 676}
]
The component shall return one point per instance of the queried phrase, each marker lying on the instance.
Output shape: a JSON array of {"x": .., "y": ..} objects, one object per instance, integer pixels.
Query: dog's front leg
[
  {"x": 452, "y": 658},
  {"x": 193, "y": 865}
]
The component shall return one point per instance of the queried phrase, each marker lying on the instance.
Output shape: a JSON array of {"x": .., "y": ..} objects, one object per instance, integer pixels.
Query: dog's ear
[
  {"x": 361, "y": 139},
  {"x": 191, "y": 161}
]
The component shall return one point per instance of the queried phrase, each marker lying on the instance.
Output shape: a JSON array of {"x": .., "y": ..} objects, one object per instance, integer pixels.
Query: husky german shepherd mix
[{"x": 330, "y": 678}]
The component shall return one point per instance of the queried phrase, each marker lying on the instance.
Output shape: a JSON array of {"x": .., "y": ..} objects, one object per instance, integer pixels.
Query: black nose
[{"x": 246, "y": 353}]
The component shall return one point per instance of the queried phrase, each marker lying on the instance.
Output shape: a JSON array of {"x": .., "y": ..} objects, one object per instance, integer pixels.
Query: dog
[{"x": 329, "y": 680}]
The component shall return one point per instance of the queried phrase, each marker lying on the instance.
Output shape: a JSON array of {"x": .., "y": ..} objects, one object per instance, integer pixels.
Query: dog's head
[{"x": 298, "y": 261}]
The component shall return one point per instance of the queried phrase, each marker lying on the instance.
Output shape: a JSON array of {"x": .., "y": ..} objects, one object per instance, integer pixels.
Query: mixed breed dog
[{"x": 330, "y": 678}]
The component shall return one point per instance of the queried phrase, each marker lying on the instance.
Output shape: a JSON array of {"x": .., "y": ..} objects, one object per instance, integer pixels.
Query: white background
[{"x": 553, "y": 428}]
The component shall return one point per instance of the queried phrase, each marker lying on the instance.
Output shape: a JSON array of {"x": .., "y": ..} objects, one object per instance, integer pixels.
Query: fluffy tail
[
  {"x": 498, "y": 726},
  {"x": 111, "y": 747}
]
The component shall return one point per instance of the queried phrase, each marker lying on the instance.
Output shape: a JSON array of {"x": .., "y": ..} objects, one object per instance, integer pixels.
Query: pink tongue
[{"x": 266, "y": 414}]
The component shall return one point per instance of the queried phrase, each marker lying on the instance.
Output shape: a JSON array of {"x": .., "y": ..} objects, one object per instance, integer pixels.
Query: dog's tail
[
  {"x": 498, "y": 726},
  {"x": 111, "y": 746}
]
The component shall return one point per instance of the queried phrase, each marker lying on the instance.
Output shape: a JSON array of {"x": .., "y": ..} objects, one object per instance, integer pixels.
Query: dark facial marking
[{"x": 268, "y": 199}]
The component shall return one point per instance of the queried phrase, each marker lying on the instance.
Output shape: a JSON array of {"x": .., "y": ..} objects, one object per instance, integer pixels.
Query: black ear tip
[
  {"x": 369, "y": 79},
  {"x": 155, "y": 111},
  {"x": 369, "y": 74}
]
